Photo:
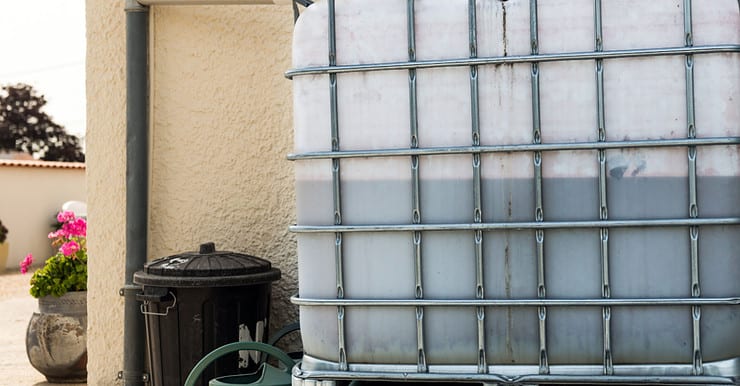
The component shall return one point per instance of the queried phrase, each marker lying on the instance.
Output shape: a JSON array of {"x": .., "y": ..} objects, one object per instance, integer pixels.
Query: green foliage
[
  {"x": 59, "y": 275},
  {"x": 25, "y": 127},
  {"x": 67, "y": 269}
]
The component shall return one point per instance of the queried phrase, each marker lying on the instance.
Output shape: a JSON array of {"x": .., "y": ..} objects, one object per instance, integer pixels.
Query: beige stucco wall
[
  {"x": 221, "y": 128},
  {"x": 31, "y": 193}
]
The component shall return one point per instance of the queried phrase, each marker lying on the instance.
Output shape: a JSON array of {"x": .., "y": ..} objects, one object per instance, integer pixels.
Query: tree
[{"x": 25, "y": 127}]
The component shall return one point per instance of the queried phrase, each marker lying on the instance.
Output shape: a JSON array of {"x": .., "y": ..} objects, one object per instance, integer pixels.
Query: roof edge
[{"x": 42, "y": 164}]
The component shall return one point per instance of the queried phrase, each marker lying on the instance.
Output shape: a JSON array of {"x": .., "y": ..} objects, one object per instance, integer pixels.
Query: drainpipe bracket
[
  {"x": 133, "y": 377},
  {"x": 130, "y": 290},
  {"x": 135, "y": 6}
]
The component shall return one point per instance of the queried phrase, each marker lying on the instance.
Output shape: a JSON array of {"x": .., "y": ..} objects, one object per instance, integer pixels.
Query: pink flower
[
  {"x": 56, "y": 234},
  {"x": 65, "y": 216},
  {"x": 69, "y": 248},
  {"x": 26, "y": 263},
  {"x": 75, "y": 228}
]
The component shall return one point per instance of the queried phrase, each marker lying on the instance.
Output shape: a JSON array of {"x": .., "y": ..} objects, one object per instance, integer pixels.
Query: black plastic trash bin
[{"x": 197, "y": 301}]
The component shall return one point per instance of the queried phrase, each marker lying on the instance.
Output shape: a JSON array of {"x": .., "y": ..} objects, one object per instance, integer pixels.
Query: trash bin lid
[{"x": 207, "y": 267}]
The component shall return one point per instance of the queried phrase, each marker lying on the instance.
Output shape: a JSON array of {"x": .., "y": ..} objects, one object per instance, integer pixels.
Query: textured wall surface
[
  {"x": 106, "y": 167},
  {"x": 221, "y": 128}
]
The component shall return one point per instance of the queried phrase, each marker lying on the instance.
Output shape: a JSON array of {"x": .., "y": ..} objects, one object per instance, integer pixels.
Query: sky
[{"x": 42, "y": 43}]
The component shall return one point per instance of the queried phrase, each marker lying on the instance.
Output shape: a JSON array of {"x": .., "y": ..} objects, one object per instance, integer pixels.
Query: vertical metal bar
[
  {"x": 538, "y": 214},
  {"x": 477, "y": 210},
  {"x": 336, "y": 186},
  {"x": 693, "y": 209},
  {"x": 606, "y": 312},
  {"x": 415, "y": 196}
]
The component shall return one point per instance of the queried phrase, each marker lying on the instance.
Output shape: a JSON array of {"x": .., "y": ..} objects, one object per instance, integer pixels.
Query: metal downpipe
[{"x": 137, "y": 187}]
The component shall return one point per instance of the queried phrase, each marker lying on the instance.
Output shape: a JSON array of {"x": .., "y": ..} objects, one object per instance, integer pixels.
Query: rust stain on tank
[
  {"x": 503, "y": 24},
  {"x": 507, "y": 279},
  {"x": 507, "y": 289},
  {"x": 509, "y": 210}
]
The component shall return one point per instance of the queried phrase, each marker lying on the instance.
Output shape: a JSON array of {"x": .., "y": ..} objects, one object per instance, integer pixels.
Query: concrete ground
[{"x": 16, "y": 308}]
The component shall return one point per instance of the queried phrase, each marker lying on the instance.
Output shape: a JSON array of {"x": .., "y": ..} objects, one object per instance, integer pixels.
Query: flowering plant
[
  {"x": 67, "y": 269},
  {"x": 3, "y": 232}
]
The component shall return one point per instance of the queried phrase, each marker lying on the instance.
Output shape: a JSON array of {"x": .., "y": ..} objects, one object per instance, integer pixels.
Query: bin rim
[{"x": 147, "y": 279}]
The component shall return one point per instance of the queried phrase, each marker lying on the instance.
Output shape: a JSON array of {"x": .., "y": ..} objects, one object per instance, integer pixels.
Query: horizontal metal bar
[
  {"x": 516, "y": 225},
  {"x": 524, "y": 379},
  {"x": 528, "y": 147},
  {"x": 213, "y": 2},
  {"x": 613, "y": 54},
  {"x": 729, "y": 301}
]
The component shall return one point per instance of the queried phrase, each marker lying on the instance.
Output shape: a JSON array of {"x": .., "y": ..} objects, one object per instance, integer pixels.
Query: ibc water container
[{"x": 519, "y": 187}]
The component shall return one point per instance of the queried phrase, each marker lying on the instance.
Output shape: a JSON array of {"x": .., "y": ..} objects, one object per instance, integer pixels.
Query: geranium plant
[
  {"x": 67, "y": 269},
  {"x": 3, "y": 232}
]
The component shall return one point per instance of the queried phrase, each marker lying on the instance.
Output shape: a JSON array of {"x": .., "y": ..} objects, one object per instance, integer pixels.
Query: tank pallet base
[{"x": 715, "y": 373}]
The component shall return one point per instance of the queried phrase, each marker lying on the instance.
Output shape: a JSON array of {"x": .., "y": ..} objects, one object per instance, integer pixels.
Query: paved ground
[{"x": 16, "y": 308}]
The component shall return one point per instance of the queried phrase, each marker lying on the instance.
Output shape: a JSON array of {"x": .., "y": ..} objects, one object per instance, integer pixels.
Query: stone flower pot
[
  {"x": 56, "y": 339},
  {"x": 4, "y": 248}
]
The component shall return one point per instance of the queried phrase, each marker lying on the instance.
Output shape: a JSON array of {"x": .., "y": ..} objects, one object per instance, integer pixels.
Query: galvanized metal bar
[
  {"x": 598, "y": 302},
  {"x": 213, "y": 2},
  {"x": 336, "y": 186},
  {"x": 421, "y": 362},
  {"x": 477, "y": 206},
  {"x": 529, "y": 147},
  {"x": 534, "y": 58},
  {"x": 538, "y": 209},
  {"x": 606, "y": 312},
  {"x": 517, "y": 380},
  {"x": 531, "y": 225},
  {"x": 693, "y": 208}
]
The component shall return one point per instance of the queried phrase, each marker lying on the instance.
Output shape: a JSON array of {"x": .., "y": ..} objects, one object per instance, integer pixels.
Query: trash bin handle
[
  {"x": 237, "y": 346},
  {"x": 146, "y": 303}
]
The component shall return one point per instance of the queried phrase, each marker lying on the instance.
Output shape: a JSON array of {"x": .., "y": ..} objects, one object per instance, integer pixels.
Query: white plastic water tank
[{"x": 645, "y": 99}]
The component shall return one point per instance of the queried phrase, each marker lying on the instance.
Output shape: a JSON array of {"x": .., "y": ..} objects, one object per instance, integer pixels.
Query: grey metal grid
[
  {"x": 693, "y": 209},
  {"x": 606, "y": 311},
  {"x": 415, "y": 196},
  {"x": 336, "y": 185},
  {"x": 539, "y": 225}
]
